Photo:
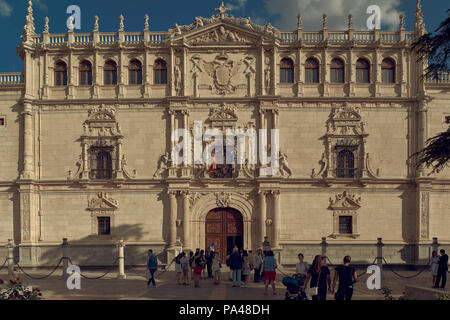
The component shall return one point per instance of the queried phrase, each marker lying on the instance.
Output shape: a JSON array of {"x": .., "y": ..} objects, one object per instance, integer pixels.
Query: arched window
[
  {"x": 345, "y": 164},
  {"x": 312, "y": 71},
  {"x": 101, "y": 164},
  {"x": 286, "y": 71},
  {"x": 337, "y": 71},
  {"x": 388, "y": 71},
  {"x": 110, "y": 73},
  {"x": 61, "y": 74},
  {"x": 160, "y": 72},
  {"x": 85, "y": 73},
  {"x": 362, "y": 71},
  {"x": 135, "y": 70}
]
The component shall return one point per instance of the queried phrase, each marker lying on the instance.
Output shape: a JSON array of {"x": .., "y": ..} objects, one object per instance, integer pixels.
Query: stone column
[
  {"x": 172, "y": 219},
  {"x": 276, "y": 219},
  {"x": 10, "y": 248},
  {"x": 119, "y": 173},
  {"x": 172, "y": 114},
  {"x": 186, "y": 222},
  {"x": 121, "y": 246},
  {"x": 28, "y": 143},
  {"x": 262, "y": 215},
  {"x": 423, "y": 131},
  {"x": 85, "y": 174}
]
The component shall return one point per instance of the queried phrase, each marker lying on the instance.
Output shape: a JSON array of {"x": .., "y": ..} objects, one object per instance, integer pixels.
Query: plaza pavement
[{"x": 134, "y": 287}]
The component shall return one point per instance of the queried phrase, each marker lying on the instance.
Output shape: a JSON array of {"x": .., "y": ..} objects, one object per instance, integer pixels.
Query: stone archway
[{"x": 224, "y": 229}]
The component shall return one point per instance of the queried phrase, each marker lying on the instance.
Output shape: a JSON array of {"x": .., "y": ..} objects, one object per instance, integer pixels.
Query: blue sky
[{"x": 164, "y": 14}]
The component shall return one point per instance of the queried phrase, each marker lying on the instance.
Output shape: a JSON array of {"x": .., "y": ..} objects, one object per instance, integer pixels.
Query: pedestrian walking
[
  {"x": 178, "y": 270},
  {"x": 434, "y": 266},
  {"x": 236, "y": 267},
  {"x": 209, "y": 258},
  {"x": 318, "y": 277},
  {"x": 442, "y": 270},
  {"x": 198, "y": 262},
  {"x": 152, "y": 266},
  {"x": 216, "y": 267},
  {"x": 301, "y": 267},
  {"x": 245, "y": 267},
  {"x": 270, "y": 266},
  {"x": 346, "y": 275},
  {"x": 185, "y": 268},
  {"x": 257, "y": 265},
  {"x": 191, "y": 263},
  {"x": 202, "y": 255}
]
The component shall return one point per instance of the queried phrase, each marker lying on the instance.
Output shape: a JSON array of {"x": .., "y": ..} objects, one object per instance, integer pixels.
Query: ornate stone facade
[{"x": 74, "y": 127}]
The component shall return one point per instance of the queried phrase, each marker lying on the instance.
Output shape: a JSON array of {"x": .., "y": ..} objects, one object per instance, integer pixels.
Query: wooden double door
[{"x": 224, "y": 230}]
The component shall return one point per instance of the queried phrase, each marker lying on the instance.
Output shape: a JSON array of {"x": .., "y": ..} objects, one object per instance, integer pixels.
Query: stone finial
[
  {"x": 222, "y": 11},
  {"x": 96, "y": 26},
  {"x": 46, "y": 27},
  {"x": 29, "y": 20},
  {"x": 299, "y": 21},
  {"x": 146, "y": 22},
  {"x": 325, "y": 22},
  {"x": 121, "y": 25},
  {"x": 402, "y": 22},
  {"x": 419, "y": 24},
  {"x": 71, "y": 25},
  {"x": 350, "y": 21}
]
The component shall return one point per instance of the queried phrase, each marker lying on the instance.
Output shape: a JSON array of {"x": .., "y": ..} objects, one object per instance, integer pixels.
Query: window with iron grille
[
  {"x": 104, "y": 225},
  {"x": 345, "y": 225},
  {"x": 101, "y": 163},
  {"x": 345, "y": 164}
]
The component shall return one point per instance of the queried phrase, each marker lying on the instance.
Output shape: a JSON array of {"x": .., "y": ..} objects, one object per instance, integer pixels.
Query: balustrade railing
[
  {"x": 438, "y": 77},
  {"x": 11, "y": 78}
]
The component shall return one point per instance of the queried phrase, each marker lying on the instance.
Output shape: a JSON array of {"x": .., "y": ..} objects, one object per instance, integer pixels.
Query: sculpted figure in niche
[
  {"x": 163, "y": 165},
  {"x": 284, "y": 166}
]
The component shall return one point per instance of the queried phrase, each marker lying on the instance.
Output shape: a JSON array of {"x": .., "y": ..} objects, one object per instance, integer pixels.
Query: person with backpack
[
  {"x": 236, "y": 267},
  {"x": 152, "y": 266},
  {"x": 346, "y": 275}
]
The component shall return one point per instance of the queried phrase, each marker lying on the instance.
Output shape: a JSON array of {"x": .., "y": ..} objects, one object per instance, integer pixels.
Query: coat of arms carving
[{"x": 222, "y": 70}]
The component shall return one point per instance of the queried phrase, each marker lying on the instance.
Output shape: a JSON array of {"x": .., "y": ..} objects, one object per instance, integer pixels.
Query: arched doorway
[{"x": 224, "y": 230}]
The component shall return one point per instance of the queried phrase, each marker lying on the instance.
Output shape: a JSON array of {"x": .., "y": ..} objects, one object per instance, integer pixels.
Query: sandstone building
[{"x": 86, "y": 135}]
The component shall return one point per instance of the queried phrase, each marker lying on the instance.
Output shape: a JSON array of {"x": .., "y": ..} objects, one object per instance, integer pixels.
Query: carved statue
[
  {"x": 267, "y": 77},
  {"x": 163, "y": 165},
  {"x": 96, "y": 26},
  {"x": 121, "y": 25},
  {"x": 146, "y": 25},
  {"x": 284, "y": 166},
  {"x": 177, "y": 73},
  {"x": 71, "y": 25}
]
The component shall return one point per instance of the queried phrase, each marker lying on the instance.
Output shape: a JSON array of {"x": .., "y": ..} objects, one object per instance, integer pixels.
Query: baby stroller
[{"x": 294, "y": 287}]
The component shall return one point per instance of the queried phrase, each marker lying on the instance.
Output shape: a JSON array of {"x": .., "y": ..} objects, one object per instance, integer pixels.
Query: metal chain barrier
[
  {"x": 165, "y": 270},
  {"x": 329, "y": 261},
  {"x": 38, "y": 278},
  {"x": 360, "y": 275},
  {"x": 4, "y": 264},
  {"x": 100, "y": 277},
  {"x": 406, "y": 277}
]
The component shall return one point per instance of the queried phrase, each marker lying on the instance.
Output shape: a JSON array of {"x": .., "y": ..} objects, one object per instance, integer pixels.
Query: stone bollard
[
  {"x": 380, "y": 253},
  {"x": 324, "y": 246},
  {"x": 121, "y": 246},
  {"x": 65, "y": 259},
  {"x": 10, "y": 248}
]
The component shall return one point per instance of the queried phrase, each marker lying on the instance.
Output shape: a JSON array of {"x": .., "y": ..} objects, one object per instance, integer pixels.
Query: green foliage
[
  {"x": 387, "y": 293},
  {"x": 435, "y": 48},
  {"x": 436, "y": 154},
  {"x": 15, "y": 290}
]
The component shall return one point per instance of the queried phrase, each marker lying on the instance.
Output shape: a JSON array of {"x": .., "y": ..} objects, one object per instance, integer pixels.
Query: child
[{"x": 216, "y": 266}]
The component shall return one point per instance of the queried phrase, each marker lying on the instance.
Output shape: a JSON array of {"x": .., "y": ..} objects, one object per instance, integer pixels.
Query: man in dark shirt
[
  {"x": 209, "y": 258},
  {"x": 347, "y": 277},
  {"x": 442, "y": 270}
]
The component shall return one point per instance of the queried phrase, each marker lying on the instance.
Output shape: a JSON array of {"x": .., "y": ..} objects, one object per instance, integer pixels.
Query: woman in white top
[
  {"x": 434, "y": 265},
  {"x": 301, "y": 267}
]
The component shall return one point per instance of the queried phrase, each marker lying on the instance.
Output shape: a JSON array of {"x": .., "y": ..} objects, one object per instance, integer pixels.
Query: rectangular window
[
  {"x": 85, "y": 78},
  {"x": 2, "y": 122},
  {"x": 362, "y": 76},
  {"x": 337, "y": 76},
  {"x": 387, "y": 76},
  {"x": 447, "y": 119},
  {"x": 104, "y": 226},
  {"x": 345, "y": 225},
  {"x": 135, "y": 77}
]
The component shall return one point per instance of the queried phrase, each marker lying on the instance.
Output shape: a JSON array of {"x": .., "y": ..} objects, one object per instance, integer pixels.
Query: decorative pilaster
[
  {"x": 186, "y": 221},
  {"x": 172, "y": 219},
  {"x": 423, "y": 131},
  {"x": 262, "y": 215},
  {"x": 276, "y": 219},
  {"x": 28, "y": 143}
]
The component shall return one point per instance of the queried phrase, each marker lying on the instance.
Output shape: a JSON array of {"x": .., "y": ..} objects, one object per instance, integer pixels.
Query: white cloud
[
  {"x": 5, "y": 9},
  {"x": 284, "y": 13},
  {"x": 40, "y": 4},
  {"x": 236, "y": 4}
]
